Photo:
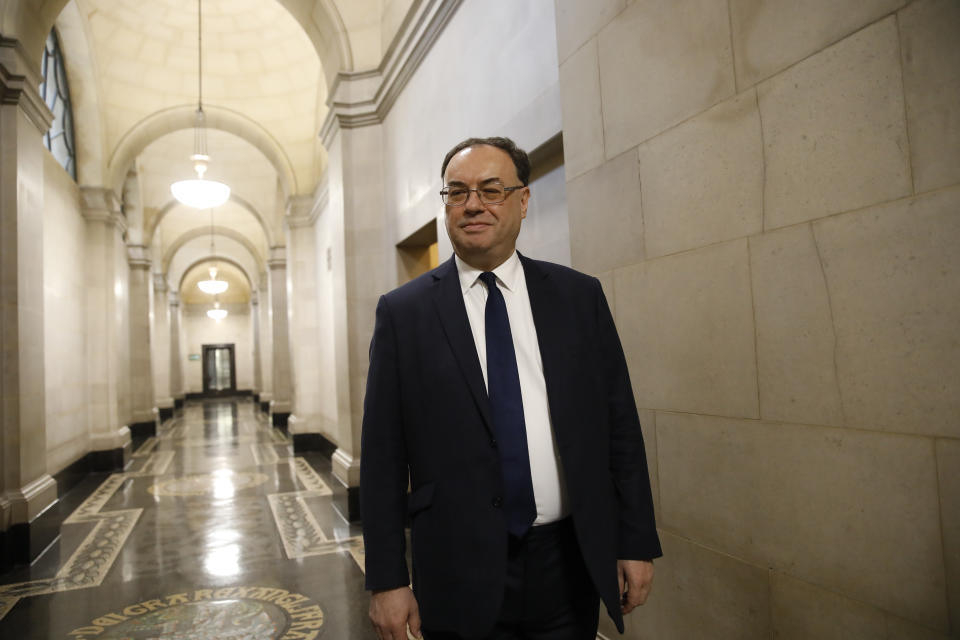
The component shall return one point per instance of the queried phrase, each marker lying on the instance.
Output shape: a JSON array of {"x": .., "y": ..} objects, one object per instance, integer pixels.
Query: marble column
[
  {"x": 176, "y": 364},
  {"x": 282, "y": 387},
  {"x": 255, "y": 329},
  {"x": 265, "y": 343},
  {"x": 160, "y": 342},
  {"x": 26, "y": 489},
  {"x": 141, "y": 371},
  {"x": 306, "y": 424},
  {"x": 366, "y": 270},
  {"x": 108, "y": 340}
]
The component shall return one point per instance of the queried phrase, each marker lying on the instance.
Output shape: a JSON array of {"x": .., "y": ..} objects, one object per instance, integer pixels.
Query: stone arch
[
  {"x": 221, "y": 231},
  {"x": 173, "y": 119},
  {"x": 231, "y": 261},
  {"x": 154, "y": 223}
]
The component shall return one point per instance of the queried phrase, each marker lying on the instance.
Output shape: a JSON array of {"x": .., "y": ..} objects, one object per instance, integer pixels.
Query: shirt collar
[{"x": 507, "y": 273}]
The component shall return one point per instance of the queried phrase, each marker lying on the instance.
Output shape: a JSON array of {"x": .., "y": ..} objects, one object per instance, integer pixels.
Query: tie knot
[{"x": 489, "y": 279}]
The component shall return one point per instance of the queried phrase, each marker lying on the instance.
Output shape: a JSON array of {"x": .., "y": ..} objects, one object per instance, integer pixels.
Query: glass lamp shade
[
  {"x": 217, "y": 314},
  {"x": 200, "y": 193},
  {"x": 213, "y": 286}
]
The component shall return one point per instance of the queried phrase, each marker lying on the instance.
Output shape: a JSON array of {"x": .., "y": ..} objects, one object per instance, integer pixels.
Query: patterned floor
[{"x": 215, "y": 531}]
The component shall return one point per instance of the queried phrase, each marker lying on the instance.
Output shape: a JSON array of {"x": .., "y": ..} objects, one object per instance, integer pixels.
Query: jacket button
[
  {"x": 493, "y": 443},
  {"x": 497, "y": 501}
]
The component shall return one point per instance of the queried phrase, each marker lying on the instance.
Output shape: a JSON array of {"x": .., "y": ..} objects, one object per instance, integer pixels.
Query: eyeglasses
[{"x": 492, "y": 192}]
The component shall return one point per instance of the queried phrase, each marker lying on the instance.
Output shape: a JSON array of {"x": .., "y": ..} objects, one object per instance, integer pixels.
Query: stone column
[
  {"x": 282, "y": 378},
  {"x": 141, "y": 371},
  {"x": 107, "y": 342},
  {"x": 176, "y": 366},
  {"x": 305, "y": 422},
  {"x": 160, "y": 341},
  {"x": 26, "y": 489},
  {"x": 367, "y": 270},
  {"x": 265, "y": 335},
  {"x": 255, "y": 327}
]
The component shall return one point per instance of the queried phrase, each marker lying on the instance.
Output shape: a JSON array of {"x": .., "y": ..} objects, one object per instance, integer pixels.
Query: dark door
[{"x": 219, "y": 370}]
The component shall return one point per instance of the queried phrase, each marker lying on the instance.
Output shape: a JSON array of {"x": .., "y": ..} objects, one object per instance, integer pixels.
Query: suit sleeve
[
  {"x": 383, "y": 462},
  {"x": 638, "y": 538}
]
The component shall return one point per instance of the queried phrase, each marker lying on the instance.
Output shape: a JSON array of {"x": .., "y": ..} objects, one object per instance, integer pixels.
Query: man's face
[{"x": 484, "y": 235}]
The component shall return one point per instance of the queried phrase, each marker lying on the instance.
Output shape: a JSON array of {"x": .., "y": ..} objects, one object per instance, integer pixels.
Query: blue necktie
[{"x": 506, "y": 403}]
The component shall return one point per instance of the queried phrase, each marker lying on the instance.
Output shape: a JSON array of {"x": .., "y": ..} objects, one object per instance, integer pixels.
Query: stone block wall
[{"x": 769, "y": 191}]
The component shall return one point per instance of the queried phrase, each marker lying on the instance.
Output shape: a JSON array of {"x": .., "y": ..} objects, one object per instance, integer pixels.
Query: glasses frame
[{"x": 506, "y": 193}]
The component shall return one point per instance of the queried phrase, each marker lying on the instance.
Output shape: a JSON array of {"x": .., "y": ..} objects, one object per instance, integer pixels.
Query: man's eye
[{"x": 456, "y": 193}]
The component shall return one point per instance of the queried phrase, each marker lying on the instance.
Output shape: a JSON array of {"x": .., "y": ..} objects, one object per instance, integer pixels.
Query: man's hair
[{"x": 518, "y": 155}]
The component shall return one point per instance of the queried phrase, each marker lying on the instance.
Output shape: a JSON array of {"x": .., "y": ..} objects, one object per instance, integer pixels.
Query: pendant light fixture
[
  {"x": 213, "y": 286},
  {"x": 217, "y": 313},
  {"x": 200, "y": 193}
]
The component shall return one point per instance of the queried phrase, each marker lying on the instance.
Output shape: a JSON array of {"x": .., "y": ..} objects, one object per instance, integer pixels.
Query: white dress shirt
[{"x": 548, "y": 485}]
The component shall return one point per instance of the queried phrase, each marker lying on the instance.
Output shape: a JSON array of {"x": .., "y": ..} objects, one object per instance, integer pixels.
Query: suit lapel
[{"x": 448, "y": 298}]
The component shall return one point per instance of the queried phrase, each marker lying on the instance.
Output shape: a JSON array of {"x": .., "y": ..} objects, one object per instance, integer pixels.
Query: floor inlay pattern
[{"x": 215, "y": 502}]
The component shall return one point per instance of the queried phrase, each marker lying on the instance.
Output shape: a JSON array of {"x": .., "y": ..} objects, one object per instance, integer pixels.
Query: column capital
[
  {"x": 138, "y": 256},
  {"x": 100, "y": 204},
  {"x": 19, "y": 84},
  {"x": 173, "y": 298},
  {"x": 278, "y": 258},
  {"x": 303, "y": 211},
  {"x": 160, "y": 283}
]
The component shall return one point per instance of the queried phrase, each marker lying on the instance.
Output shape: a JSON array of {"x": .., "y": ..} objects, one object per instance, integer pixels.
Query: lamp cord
[{"x": 199, "y": 56}]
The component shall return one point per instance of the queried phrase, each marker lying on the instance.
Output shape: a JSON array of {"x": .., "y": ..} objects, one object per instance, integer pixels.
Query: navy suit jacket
[{"x": 426, "y": 413}]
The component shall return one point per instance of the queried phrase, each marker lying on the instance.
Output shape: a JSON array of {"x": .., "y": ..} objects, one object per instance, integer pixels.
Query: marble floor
[{"x": 215, "y": 530}]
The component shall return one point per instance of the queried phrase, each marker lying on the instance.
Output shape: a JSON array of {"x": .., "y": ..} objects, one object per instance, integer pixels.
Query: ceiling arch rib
[
  {"x": 197, "y": 251},
  {"x": 161, "y": 123},
  {"x": 155, "y": 221},
  {"x": 240, "y": 288},
  {"x": 224, "y": 232}
]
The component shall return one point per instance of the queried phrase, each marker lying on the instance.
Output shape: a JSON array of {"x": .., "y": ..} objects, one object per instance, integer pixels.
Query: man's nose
[{"x": 473, "y": 202}]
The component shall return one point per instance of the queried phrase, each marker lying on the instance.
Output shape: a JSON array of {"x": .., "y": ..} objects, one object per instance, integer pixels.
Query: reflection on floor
[{"x": 215, "y": 531}]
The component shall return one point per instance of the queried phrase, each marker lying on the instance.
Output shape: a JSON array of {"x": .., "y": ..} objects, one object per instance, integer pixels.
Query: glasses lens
[
  {"x": 455, "y": 195},
  {"x": 492, "y": 193}
]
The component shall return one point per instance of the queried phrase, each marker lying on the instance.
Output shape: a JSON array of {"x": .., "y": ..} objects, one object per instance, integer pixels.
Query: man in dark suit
[{"x": 498, "y": 389}]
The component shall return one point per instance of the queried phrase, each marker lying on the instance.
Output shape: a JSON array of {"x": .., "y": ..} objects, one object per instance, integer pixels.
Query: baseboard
[
  {"x": 166, "y": 413},
  {"x": 178, "y": 403},
  {"x": 304, "y": 442},
  {"x": 280, "y": 420},
  {"x": 346, "y": 500},
  {"x": 143, "y": 429},
  {"x": 265, "y": 406}
]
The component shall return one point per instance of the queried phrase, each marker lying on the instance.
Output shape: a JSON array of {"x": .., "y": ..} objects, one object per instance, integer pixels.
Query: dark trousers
[{"x": 548, "y": 595}]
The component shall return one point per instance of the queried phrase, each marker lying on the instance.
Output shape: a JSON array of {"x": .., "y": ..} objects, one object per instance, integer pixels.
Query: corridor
[{"x": 215, "y": 530}]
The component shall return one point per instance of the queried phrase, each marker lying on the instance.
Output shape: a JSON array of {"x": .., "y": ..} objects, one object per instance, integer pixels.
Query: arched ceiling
[{"x": 237, "y": 291}]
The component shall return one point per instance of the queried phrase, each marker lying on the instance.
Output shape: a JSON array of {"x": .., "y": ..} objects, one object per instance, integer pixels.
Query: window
[{"x": 55, "y": 91}]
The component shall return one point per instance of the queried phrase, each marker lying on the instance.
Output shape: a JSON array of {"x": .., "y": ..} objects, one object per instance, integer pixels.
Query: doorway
[{"x": 219, "y": 370}]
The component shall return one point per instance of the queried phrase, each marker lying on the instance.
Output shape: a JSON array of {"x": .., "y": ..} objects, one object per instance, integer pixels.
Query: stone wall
[
  {"x": 769, "y": 192},
  {"x": 65, "y": 323}
]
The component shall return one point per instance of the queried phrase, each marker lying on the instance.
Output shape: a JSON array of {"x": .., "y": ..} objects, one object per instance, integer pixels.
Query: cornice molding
[
  {"x": 278, "y": 258},
  {"x": 19, "y": 84},
  {"x": 160, "y": 283},
  {"x": 364, "y": 98},
  {"x": 303, "y": 211}
]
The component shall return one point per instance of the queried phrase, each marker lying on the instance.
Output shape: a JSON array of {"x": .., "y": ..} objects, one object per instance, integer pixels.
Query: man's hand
[
  {"x": 636, "y": 580},
  {"x": 392, "y": 610}
]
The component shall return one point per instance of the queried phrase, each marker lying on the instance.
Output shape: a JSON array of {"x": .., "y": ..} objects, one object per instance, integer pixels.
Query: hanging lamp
[
  {"x": 200, "y": 193},
  {"x": 213, "y": 286},
  {"x": 217, "y": 313}
]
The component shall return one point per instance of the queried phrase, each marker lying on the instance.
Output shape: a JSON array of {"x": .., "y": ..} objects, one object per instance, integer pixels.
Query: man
[{"x": 498, "y": 388}]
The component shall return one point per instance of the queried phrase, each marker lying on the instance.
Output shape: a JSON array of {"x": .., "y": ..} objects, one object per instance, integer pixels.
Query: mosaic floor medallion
[
  {"x": 258, "y": 614},
  {"x": 208, "y": 483}
]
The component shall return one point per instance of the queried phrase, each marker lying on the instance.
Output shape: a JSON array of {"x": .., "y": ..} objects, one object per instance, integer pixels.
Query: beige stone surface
[
  {"x": 893, "y": 273},
  {"x": 834, "y": 130},
  {"x": 606, "y": 221},
  {"x": 579, "y": 21},
  {"x": 582, "y": 111},
  {"x": 795, "y": 337},
  {"x": 948, "y": 463},
  {"x": 801, "y": 611},
  {"x": 770, "y": 35},
  {"x": 703, "y": 180},
  {"x": 660, "y": 63},
  {"x": 699, "y": 593},
  {"x": 931, "y": 82},
  {"x": 851, "y": 511},
  {"x": 687, "y": 330}
]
